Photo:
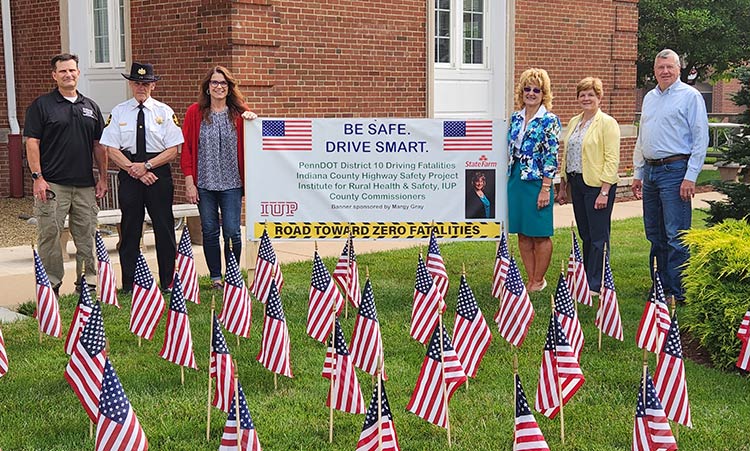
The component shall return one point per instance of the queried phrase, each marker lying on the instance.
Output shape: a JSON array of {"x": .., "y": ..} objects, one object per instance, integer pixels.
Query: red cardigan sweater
[{"x": 191, "y": 130}]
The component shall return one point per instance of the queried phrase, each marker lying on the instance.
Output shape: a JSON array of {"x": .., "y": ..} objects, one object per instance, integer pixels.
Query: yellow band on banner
[{"x": 383, "y": 230}]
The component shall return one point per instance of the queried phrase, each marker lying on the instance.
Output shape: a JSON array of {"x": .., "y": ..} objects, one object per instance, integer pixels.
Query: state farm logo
[
  {"x": 482, "y": 162},
  {"x": 280, "y": 208}
]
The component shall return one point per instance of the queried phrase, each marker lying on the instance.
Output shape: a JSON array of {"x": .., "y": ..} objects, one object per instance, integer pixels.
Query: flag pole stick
[
  {"x": 378, "y": 373},
  {"x": 600, "y": 314},
  {"x": 237, "y": 407},
  {"x": 445, "y": 388},
  {"x": 515, "y": 394},
  {"x": 559, "y": 385},
  {"x": 182, "y": 375},
  {"x": 463, "y": 273},
  {"x": 333, "y": 366},
  {"x": 210, "y": 345},
  {"x": 91, "y": 429},
  {"x": 348, "y": 277}
]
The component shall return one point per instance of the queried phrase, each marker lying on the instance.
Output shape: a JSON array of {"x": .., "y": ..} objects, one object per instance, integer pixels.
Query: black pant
[
  {"x": 157, "y": 198},
  {"x": 593, "y": 226}
]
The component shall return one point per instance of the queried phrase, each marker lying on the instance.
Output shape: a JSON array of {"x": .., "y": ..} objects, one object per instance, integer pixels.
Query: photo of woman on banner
[{"x": 480, "y": 194}]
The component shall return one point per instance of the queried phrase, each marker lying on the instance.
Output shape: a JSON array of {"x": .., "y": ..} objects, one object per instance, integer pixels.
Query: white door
[
  {"x": 97, "y": 34},
  {"x": 470, "y": 62}
]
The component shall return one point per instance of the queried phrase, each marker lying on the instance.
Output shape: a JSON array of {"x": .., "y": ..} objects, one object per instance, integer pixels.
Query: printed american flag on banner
[
  {"x": 275, "y": 347},
  {"x": 248, "y": 434},
  {"x": 185, "y": 267},
  {"x": 178, "y": 341},
  {"x": 651, "y": 429},
  {"x": 105, "y": 274},
  {"x": 324, "y": 298},
  {"x": 369, "y": 438},
  {"x": 85, "y": 368},
  {"x": 148, "y": 303},
  {"x": 526, "y": 436},
  {"x": 743, "y": 360},
  {"x": 266, "y": 268},
  {"x": 502, "y": 263},
  {"x": 743, "y": 333},
  {"x": 47, "y": 309},
  {"x": 558, "y": 361},
  {"x": 236, "y": 311},
  {"x": 436, "y": 266},
  {"x": 655, "y": 319},
  {"x": 344, "y": 392},
  {"x": 346, "y": 274},
  {"x": 428, "y": 401},
  {"x": 669, "y": 378},
  {"x": 471, "y": 335},
  {"x": 287, "y": 135},
  {"x": 569, "y": 321},
  {"x": 117, "y": 427},
  {"x": 473, "y": 136},
  {"x": 578, "y": 284},
  {"x": 608, "y": 314},
  {"x": 367, "y": 343},
  {"x": 428, "y": 304},
  {"x": 516, "y": 312},
  {"x": 221, "y": 368},
  {"x": 3, "y": 356},
  {"x": 80, "y": 316}
]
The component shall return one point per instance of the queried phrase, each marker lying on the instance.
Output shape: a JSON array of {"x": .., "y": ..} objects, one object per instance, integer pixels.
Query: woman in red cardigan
[{"x": 213, "y": 163}]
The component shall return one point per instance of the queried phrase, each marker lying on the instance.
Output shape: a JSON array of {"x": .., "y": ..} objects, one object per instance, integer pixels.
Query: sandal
[{"x": 217, "y": 285}]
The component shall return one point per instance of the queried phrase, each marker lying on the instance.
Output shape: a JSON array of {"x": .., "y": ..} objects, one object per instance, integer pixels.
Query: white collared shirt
[{"x": 162, "y": 131}]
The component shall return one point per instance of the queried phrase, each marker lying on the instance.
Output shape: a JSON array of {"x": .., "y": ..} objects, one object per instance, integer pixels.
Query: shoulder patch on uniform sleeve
[
  {"x": 175, "y": 120},
  {"x": 109, "y": 119}
]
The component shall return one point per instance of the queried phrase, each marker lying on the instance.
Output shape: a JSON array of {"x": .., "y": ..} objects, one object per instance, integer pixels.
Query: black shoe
[
  {"x": 126, "y": 290},
  {"x": 56, "y": 290}
]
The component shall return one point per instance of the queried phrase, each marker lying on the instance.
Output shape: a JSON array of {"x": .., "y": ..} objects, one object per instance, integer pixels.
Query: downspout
[{"x": 15, "y": 151}]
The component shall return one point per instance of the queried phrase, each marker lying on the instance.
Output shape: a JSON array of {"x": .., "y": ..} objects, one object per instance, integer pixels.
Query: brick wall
[{"x": 722, "y": 98}]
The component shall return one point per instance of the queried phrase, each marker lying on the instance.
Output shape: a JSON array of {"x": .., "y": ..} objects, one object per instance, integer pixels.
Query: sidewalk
[{"x": 17, "y": 276}]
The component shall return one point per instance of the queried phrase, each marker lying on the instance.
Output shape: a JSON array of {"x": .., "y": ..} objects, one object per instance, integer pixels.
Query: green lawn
[{"x": 38, "y": 410}]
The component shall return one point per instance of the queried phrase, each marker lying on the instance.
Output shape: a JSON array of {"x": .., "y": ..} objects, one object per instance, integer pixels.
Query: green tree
[{"x": 712, "y": 36}]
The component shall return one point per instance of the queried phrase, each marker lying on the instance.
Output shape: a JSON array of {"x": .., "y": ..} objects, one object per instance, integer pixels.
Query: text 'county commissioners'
[{"x": 306, "y": 175}]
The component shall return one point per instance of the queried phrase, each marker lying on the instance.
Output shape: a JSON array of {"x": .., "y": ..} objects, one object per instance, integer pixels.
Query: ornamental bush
[{"x": 717, "y": 280}]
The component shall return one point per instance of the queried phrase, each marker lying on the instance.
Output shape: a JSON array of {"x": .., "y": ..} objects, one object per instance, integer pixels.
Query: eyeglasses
[
  {"x": 529, "y": 89},
  {"x": 216, "y": 84}
]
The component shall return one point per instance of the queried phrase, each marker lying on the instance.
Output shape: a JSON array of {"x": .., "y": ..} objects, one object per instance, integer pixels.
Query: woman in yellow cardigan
[{"x": 589, "y": 165}]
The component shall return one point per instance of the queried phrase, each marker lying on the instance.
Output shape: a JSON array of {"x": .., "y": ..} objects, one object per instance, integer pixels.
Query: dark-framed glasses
[
  {"x": 216, "y": 84},
  {"x": 529, "y": 89}
]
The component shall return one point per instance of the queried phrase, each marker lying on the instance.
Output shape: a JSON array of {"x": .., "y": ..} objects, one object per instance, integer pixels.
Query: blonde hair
[
  {"x": 590, "y": 83},
  {"x": 536, "y": 77}
]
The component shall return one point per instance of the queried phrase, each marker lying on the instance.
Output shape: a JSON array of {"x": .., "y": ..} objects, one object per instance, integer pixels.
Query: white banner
[{"x": 375, "y": 178}]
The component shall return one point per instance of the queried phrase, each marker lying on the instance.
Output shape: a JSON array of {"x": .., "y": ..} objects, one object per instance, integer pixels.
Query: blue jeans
[
  {"x": 665, "y": 217},
  {"x": 229, "y": 203}
]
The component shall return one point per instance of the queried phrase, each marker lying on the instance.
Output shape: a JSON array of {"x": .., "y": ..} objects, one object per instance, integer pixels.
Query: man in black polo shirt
[{"x": 62, "y": 130}]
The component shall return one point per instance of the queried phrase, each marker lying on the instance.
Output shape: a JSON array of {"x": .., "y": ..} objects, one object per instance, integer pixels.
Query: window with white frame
[
  {"x": 460, "y": 33},
  {"x": 108, "y": 32}
]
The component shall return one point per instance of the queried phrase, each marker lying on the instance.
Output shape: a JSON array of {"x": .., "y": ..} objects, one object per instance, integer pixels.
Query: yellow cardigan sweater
[{"x": 601, "y": 149}]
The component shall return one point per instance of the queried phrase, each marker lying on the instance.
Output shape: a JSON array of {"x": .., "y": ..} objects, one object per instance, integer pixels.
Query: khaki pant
[{"x": 79, "y": 204}]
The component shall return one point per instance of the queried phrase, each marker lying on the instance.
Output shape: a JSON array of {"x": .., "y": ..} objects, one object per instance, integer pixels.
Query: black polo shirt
[{"x": 67, "y": 131}]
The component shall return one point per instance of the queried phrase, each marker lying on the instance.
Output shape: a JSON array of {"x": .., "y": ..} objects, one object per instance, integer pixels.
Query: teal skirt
[{"x": 523, "y": 216}]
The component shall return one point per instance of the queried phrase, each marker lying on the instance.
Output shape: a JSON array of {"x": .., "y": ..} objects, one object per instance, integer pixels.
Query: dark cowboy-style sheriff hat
[{"x": 142, "y": 72}]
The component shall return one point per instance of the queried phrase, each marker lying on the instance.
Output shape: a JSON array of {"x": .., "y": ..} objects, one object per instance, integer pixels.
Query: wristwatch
[
  {"x": 604, "y": 193},
  {"x": 148, "y": 166},
  {"x": 36, "y": 175}
]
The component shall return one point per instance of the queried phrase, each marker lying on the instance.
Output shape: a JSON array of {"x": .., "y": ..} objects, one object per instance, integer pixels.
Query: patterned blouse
[
  {"x": 217, "y": 154},
  {"x": 538, "y": 152},
  {"x": 574, "y": 156}
]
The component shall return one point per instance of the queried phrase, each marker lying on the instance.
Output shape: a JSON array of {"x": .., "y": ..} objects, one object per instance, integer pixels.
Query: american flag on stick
[
  {"x": 267, "y": 268},
  {"x": 186, "y": 267},
  {"x": 3, "y": 356},
  {"x": 105, "y": 274},
  {"x": 378, "y": 431},
  {"x": 669, "y": 378},
  {"x": 526, "y": 436},
  {"x": 559, "y": 373},
  {"x": 248, "y": 439},
  {"x": 439, "y": 378},
  {"x": 47, "y": 309},
  {"x": 323, "y": 297},
  {"x": 85, "y": 369},
  {"x": 346, "y": 274},
  {"x": 608, "y": 315},
  {"x": 287, "y": 135},
  {"x": 436, "y": 266},
  {"x": 472, "y": 136},
  {"x": 236, "y": 311},
  {"x": 367, "y": 343},
  {"x": 743, "y": 361},
  {"x": 655, "y": 319},
  {"x": 578, "y": 284},
  {"x": 651, "y": 429},
  {"x": 428, "y": 304},
  {"x": 502, "y": 264},
  {"x": 471, "y": 335},
  {"x": 148, "y": 303},
  {"x": 80, "y": 316},
  {"x": 568, "y": 317},
  {"x": 178, "y": 341},
  {"x": 117, "y": 427},
  {"x": 344, "y": 392},
  {"x": 275, "y": 348},
  {"x": 221, "y": 368},
  {"x": 516, "y": 312}
]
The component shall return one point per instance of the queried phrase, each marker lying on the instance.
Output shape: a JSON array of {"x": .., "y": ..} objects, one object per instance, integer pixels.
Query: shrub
[{"x": 717, "y": 280}]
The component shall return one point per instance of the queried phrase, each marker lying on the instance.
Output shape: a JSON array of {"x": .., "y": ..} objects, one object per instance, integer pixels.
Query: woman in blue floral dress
[{"x": 532, "y": 148}]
